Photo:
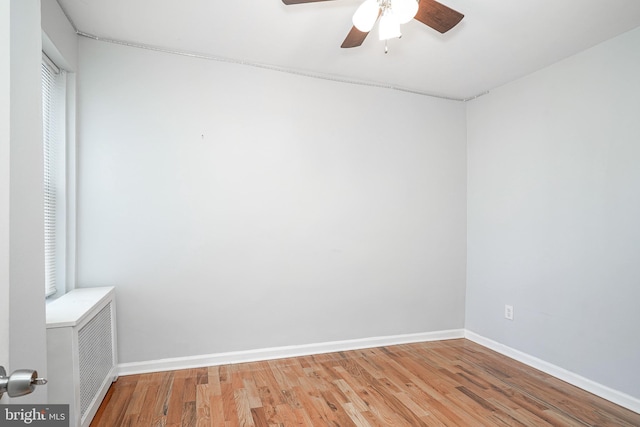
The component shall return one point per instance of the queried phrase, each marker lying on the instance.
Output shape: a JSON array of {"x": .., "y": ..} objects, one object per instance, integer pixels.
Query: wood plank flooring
[{"x": 443, "y": 383}]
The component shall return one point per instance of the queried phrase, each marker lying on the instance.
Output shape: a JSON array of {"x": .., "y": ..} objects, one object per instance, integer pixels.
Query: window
[{"x": 53, "y": 131}]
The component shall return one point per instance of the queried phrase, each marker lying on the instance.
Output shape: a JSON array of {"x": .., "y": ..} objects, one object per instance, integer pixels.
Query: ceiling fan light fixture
[
  {"x": 405, "y": 10},
  {"x": 392, "y": 13},
  {"x": 389, "y": 27},
  {"x": 366, "y": 15}
]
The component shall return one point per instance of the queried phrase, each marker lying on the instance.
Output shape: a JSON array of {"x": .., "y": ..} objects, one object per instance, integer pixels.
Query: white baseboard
[
  {"x": 600, "y": 390},
  {"x": 281, "y": 352},
  {"x": 217, "y": 359}
]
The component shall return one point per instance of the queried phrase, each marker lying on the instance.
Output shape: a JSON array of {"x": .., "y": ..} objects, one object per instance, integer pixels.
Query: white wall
[
  {"x": 27, "y": 341},
  {"x": 553, "y": 211},
  {"x": 237, "y": 208},
  {"x": 59, "y": 32}
]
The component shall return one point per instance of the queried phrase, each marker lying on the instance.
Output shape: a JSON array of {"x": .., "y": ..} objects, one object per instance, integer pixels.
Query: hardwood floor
[{"x": 443, "y": 383}]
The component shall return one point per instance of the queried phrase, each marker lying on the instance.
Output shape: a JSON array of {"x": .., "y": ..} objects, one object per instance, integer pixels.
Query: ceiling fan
[{"x": 392, "y": 13}]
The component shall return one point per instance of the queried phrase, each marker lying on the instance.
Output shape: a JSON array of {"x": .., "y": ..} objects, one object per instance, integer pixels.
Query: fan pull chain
[{"x": 386, "y": 47}]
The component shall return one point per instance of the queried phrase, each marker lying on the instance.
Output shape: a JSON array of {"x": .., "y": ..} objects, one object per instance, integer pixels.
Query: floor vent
[{"x": 81, "y": 351}]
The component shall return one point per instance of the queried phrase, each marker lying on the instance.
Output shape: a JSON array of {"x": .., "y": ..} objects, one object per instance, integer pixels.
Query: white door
[
  {"x": 4, "y": 181},
  {"x": 21, "y": 169}
]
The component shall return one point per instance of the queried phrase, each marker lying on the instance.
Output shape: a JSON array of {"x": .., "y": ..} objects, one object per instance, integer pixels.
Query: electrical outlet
[{"x": 508, "y": 312}]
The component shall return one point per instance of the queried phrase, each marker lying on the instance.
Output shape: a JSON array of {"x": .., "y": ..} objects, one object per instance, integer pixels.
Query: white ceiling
[{"x": 497, "y": 41}]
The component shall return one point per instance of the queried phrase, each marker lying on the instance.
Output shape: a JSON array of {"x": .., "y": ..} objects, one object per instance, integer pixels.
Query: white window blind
[{"x": 53, "y": 121}]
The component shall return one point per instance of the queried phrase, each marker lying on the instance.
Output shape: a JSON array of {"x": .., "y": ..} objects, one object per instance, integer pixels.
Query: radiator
[{"x": 81, "y": 351}]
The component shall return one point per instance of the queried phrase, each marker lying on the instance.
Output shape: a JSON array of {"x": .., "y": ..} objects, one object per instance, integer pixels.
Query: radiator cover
[{"x": 81, "y": 350}]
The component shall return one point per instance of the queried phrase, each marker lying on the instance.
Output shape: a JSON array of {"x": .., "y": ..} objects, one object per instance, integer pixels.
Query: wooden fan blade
[
  {"x": 300, "y": 1},
  {"x": 437, "y": 16},
  {"x": 354, "y": 38}
]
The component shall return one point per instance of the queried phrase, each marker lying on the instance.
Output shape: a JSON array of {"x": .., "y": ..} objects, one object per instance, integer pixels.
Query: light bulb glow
[
  {"x": 366, "y": 15},
  {"x": 389, "y": 27},
  {"x": 405, "y": 10}
]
